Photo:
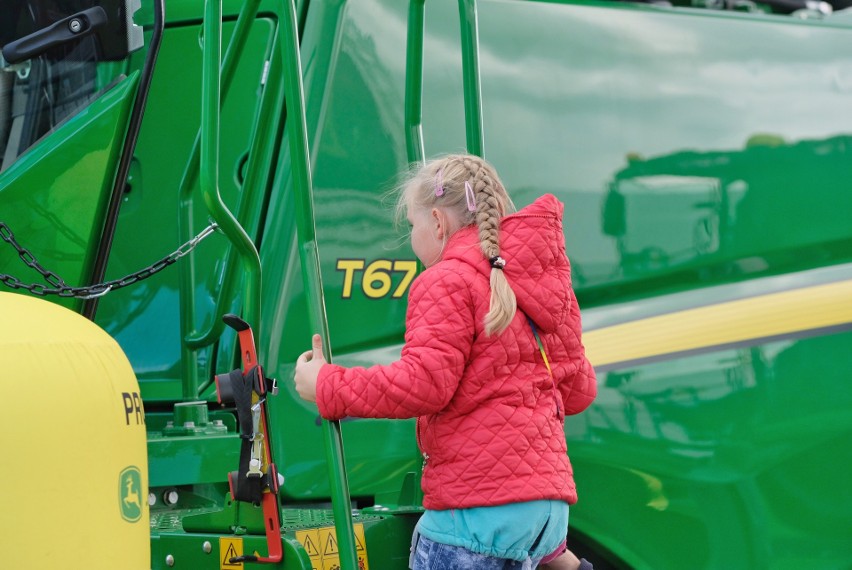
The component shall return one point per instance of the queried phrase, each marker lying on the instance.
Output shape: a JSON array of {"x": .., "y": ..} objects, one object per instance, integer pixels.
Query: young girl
[{"x": 492, "y": 363}]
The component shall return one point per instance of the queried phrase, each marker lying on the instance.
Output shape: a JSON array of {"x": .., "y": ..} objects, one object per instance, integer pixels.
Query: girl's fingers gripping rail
[{"x": 307, "y": 370}]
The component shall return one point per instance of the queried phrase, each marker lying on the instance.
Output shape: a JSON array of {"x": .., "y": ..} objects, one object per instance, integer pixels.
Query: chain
[{"x": 60, "y": 288}]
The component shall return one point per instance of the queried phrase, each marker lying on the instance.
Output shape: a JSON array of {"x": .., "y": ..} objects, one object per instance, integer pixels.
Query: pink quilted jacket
[{"x": 489, "y": 421}]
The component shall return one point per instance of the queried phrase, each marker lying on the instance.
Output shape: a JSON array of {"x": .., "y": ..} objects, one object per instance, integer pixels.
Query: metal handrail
[
  {"x": 193, "y": 340},
  {"x": 311, "y": 274},
  {"x": 209, "y": 164},
  {"x": 414, "y": 82},
  {"x": 470, "y": 70},
  {"x": 469, "y": 26}
]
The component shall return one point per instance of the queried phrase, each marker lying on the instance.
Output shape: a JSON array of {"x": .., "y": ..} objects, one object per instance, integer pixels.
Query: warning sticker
[
  {"x": 230, "y": 548},
  {"x": 328, "y": 540},
  {"x": 321, "y": 546},
  {"x": 310, "y": 540}
]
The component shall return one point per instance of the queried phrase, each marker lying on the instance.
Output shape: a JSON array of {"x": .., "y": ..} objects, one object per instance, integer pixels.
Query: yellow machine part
[{"x": 74, "y": 481}]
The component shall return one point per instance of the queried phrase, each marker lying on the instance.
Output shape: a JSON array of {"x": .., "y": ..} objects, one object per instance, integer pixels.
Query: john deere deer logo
[{"x": 129, "y": 494}]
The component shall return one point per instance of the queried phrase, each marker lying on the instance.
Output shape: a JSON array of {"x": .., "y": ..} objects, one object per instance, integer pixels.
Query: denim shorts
[{"x": 430, "y": 555}]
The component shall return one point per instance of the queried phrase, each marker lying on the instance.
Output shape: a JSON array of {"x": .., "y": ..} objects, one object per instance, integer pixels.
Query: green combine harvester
[{"x": 189, "y": 189}]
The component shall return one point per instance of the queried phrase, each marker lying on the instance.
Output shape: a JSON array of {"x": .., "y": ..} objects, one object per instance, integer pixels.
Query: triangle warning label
[
  {"x": 330, "y": 545},
  {"x": 310, "y": 547},
  {"x": 231, "y": 552}
]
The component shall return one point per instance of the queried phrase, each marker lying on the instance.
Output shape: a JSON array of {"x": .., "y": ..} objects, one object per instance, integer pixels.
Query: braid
[{"x": 489, "y": 210}]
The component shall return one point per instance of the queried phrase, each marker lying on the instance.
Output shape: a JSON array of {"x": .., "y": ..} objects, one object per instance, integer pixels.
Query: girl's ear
[{"x": 440, "y": 222}]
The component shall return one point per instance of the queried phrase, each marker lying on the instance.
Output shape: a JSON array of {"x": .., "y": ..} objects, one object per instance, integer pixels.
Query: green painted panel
[
  {"x": 733, "y": 458},
  {"x": 721, "y": 117},
  {"x": 177, "y": 461},
  {"x": 54, "y": 196},
  {"x": 145, "y": 319}
]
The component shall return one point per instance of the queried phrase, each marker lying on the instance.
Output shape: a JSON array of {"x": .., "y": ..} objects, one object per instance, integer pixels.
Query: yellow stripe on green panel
[{"x": 732, "y": 322}]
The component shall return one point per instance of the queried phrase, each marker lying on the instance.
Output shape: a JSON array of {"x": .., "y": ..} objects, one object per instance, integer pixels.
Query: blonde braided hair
[{"x": 492, "y": 203}]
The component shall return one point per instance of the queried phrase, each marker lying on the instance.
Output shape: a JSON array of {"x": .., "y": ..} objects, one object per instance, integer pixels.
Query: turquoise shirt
[{"x": 505, "y": 531}]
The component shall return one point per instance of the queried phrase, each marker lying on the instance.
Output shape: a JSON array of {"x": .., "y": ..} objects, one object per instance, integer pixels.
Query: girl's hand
[{"x": 307, "y": 370}]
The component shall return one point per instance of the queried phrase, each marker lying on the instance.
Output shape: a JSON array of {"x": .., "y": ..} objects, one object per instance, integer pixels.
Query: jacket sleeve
[
  {"x": 438, "y": 338},
  {"x": 579, "y": 386}
]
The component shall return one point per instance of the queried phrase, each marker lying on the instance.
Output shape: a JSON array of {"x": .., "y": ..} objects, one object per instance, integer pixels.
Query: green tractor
[{"x": 189, "y": 191}]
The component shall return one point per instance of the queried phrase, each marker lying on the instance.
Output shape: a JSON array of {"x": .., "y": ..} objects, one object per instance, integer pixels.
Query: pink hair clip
[
  {"x": 439, "y": 182},
  {"x": 468, "y": 196}
]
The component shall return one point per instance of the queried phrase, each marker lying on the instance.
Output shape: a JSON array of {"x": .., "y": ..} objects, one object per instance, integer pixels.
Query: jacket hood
[{"x": 533, "y": 245}]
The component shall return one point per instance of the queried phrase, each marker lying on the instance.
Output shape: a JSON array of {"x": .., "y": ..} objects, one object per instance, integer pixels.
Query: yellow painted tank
[{"x": 74, "y": 481}]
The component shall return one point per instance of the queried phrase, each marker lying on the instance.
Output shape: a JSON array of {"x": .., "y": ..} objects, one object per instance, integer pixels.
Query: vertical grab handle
[
  {"x": 414, "y": 82},
  {"x": 193, "y": 340},
  {"x": 469, "y": 25},
  {"x": 209, "y": 160},
  {"x": 311, "y": 274}
]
